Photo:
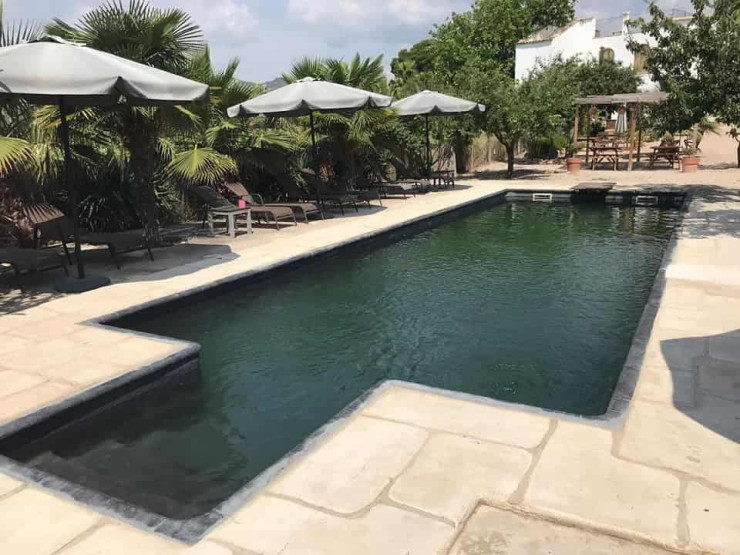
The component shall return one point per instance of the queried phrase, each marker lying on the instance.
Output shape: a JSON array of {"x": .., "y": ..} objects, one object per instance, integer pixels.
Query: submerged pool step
[{"x": 92, "y": 479}]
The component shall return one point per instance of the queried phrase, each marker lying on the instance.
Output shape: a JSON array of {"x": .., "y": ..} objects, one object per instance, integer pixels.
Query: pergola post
[
  {"x": 575, "y": 129},
  {"x": 633, "y": 125},
  {"x": 588, "y": 128},
  {"x": 639, "y": 133}
]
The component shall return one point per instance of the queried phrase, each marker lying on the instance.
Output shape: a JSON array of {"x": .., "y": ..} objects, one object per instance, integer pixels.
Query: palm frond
[
  {"x": 200, "y": 166},
  {"x": 15, "y": 155},
  {"x": 306, "y": 67}
]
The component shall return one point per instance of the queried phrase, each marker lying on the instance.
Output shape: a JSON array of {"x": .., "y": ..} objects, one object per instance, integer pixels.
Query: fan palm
[
  {"x": 347, "y": 143},
  {"x": 163, "y": 38},
  {"x": 206, "y": 146},
  {"x": 16, "y": 152}
]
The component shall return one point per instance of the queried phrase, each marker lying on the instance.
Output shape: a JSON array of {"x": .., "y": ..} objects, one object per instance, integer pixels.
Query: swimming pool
[{"x": 523, "y": 302}]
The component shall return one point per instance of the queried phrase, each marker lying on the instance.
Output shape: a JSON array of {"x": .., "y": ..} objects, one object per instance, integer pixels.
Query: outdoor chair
[
  {"x": 50, "y": 223},
  {"x": 26, "y": 261},
  {"x": 255, "y": 202},
  {"x": 389, "y": 187},
  {"x": 216, "y": 204},
  {"x": 405, "y": 175},
  {"x": 335, "y": 198}
]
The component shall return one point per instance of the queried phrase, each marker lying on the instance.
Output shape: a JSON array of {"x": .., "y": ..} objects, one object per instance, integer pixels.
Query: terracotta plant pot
[
  {"x": 690, "y": 164},
  {"x": 573, "y": 164}
]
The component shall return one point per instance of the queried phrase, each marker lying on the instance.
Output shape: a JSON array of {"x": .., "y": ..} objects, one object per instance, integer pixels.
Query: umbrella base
[{"x": 77, "y": 285}]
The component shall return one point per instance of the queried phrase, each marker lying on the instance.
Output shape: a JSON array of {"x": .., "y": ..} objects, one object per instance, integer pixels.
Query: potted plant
[
  {"x": 572, "y": 163},
  {"x": 689, "y": 160}
]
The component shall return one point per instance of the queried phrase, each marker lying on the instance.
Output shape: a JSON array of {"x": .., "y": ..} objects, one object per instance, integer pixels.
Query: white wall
[{"x": 578, "y": 40}]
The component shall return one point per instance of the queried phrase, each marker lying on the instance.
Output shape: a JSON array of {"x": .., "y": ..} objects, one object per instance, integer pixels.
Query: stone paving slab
[
  {"x": 8, "y": 484},
  {"x": 33, "y": 522},
  {"x": 113, "y": 539},
  {"x": 662, "y": 436},
  {"x": 660, "y": 385},
  {"x": 579, "y": 477},
  {"x": 271, "y": 526},
  {"x": 13, "y": 382},
  {"x": 31, "y": 399},
  {"x": 363, "y": 458},
  {"x": 713, "y": 519},
  {"x": 457, "y": 416},
  {"x": 492, "y": 531},
  {"x": 452, "y": 473}
]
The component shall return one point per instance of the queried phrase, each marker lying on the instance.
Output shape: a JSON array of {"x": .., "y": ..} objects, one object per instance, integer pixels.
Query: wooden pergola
[{"x": 636, "y": 100}]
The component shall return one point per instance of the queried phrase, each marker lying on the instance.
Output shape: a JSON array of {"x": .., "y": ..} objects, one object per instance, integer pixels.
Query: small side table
[{"x": 231, "y": 216}]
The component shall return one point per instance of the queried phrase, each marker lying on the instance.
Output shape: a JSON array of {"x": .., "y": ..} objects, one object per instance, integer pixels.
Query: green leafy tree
[
  {"x": 605, "y": 77},
  {"x": 487, "y": 35},
  {"x": 538, "y": 106},
  {"x": 697, "y": 64}
]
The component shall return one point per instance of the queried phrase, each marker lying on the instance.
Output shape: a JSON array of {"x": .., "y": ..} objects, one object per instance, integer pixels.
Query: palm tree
[
  {"x": 348, "y": 144},
  {"x": 163, "y": 38},
  {"x": 207, "y": 146},
  {"x": 16, "y": 118}
]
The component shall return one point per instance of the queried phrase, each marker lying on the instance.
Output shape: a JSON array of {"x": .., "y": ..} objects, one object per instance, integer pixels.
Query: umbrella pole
[
  {"x": 429, "y": 148},
  {"x": 72, "y": 190},
  {"x": 315, "y": 159}
]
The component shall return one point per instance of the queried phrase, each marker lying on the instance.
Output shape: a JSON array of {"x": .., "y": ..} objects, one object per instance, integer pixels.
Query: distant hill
[{"x": 274, "y": 84}]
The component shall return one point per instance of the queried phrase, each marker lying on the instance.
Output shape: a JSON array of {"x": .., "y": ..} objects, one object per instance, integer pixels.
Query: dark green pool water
[{"x": 528, "y": 303}]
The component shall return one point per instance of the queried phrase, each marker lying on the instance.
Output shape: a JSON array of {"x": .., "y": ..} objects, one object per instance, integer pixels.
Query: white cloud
[
  {"x": 223, "y": 18},
  {"x": 356, "y": 13}
]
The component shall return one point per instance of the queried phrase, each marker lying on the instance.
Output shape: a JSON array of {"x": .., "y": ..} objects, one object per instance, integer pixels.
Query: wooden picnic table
[
  {"x": 670, "y": 154},
  {"x": 605, "y": 150}
]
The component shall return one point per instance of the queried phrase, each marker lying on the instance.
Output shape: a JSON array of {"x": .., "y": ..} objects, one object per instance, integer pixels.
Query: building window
[
  {"x": 606, "y": 55},
  {"x": 641, "y": 57}
]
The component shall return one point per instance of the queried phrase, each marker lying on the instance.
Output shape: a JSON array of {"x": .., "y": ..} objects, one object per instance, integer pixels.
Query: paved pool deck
[{"x": 414, "y": 471}]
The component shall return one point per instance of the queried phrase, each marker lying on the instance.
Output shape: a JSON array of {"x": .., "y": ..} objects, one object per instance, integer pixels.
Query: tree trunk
[
  {"x": 509, "y": 160},
  {"x": 462, "y": 153},
  {"x": 140, "y": 137},
  {"x": 738, "y": 155}
]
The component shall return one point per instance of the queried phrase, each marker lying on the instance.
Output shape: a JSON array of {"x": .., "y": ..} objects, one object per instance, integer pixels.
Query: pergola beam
[{"x": 653, "y": 97}]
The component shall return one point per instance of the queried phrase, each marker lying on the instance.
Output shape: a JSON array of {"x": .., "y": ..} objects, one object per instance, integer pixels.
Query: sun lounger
[
  {"x": 255, "y": 201},
  {"x": 26, "y": 261},
  {"x": 218, "y": 205},
  {"x": 50, "y": 223},
  {"x": 389, "y": 187}
]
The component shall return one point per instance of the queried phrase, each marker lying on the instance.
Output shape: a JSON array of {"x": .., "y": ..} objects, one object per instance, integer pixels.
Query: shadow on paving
[
  {"x": 714, "y": 222},
  {"x": 175, "y": 260},
  {"x": 706, "y": 380},
  {"x": 526, "y": 173}
]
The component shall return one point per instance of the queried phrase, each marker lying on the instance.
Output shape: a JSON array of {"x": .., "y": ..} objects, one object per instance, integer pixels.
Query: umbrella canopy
[
  {"x": 306, "y": 96},
  {"x": 432, "y": 103},
  {"x": 309, "y": 95},
  {"x": 54, "y": 71},
  {"x": 43, "y": 71}
]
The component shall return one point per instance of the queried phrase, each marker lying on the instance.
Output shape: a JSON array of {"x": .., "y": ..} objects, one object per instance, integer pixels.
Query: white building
[{"x": 586, "y": 38}]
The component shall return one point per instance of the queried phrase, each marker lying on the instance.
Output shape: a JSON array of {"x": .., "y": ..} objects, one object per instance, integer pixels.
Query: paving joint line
[{"x": 517, "y": 497}]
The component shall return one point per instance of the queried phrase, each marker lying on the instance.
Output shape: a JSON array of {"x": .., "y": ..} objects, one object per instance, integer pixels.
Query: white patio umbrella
[
  {"x": 621, "y": 125},
  {"x": 431, "y": 103},
  {"x": 52, "y": 71},
  {"x": 306, "y": 96}
]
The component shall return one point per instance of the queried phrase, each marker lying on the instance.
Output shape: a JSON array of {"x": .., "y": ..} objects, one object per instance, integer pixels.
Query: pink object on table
[{"x": 242, "y": 203}]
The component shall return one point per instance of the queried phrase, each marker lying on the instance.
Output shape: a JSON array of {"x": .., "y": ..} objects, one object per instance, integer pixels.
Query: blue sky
[{"x": 268, "y": 35}]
